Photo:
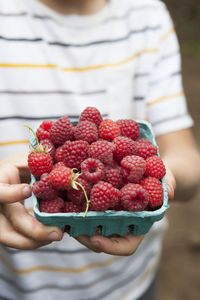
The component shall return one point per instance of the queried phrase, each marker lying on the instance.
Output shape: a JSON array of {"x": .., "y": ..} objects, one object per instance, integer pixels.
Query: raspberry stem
[
  {"x": 88, "y": 202},
  {"x": 37, "y": 141}
]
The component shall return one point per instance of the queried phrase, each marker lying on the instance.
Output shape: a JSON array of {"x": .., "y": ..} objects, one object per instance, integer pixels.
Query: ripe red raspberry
[
  {"x": 58, "y": 165},
  {"x": 108, "y": 129},
  {"x": 70, "y": 207},
  {"x": 91, "y": 114},
  {"x": 86, "y": 131},
  {"x": 129, "y": 128},
  {"x": 144, "y": 141},
  {"x": 114, "y": 176},
  {"x": 43, "y": 130},
  {"x": 134, "y": 167},
  {"x": 155, "y": 190},
  {"x": 124, "y": 146},
  {"x": 39, "y": 163},
  {"x": 146, "y": 150},
  {"x": 102, "y": 150},
  {"x": 48, "y": 147},
  {"x": 43, "y": 188},
  {"x": 119, "y": 207},
  {"x": 92, "y": 169},
  {"x": 55, "y": 205},
  {"x": 61, "y": 131},
  {"x": 104, "y": 196},
  {"x": 74, "y": 153},
  {"x": 134, "y": 197},
  {"x": 155, "y": 167},
  {"x": 60, "y": 177},
  {"x": 78, "y": 196},
  {"x": 58, "y": 156}
]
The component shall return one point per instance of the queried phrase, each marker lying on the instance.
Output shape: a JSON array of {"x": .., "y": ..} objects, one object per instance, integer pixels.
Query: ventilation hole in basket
[
  {"x": 130, "y": 228},
  {"x": 67, "y": 228},
  {"x": 99, "y": 230}
]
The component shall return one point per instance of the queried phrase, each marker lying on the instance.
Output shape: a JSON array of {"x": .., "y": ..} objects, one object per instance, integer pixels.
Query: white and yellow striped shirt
[{"x": 125, "y": 61}]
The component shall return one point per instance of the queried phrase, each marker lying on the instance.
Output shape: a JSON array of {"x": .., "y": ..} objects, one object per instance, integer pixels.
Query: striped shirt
[{"x": 125, "y": 61}]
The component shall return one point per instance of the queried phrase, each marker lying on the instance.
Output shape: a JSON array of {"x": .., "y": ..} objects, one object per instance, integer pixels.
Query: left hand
[
  {"x": 171, "y": 183},
  {"x": 114, "y": 245}
]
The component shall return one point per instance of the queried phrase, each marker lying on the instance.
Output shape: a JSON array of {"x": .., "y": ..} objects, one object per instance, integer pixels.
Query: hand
[
  {"x": 114, "y": 245},
  {"x": 18, "y": 229},
  {"x": 171, "y": 183}
]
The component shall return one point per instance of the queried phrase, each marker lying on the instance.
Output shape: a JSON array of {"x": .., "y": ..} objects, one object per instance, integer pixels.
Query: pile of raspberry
[{"x": 99, "y": 160}]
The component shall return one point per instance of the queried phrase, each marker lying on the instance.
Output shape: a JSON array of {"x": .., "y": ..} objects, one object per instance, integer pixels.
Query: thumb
[
  {"x": 171, "y": 183},
  {"x": 14, "y": 192}
]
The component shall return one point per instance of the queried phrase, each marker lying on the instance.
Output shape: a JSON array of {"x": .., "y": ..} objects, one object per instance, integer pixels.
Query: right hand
[{"x": 18, "y": 229}]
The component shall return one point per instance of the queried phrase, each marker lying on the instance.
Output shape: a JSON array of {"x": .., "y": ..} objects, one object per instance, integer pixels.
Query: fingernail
[
  {"x": 27, "y": 191},
  {"x": 53, "y": 236}
]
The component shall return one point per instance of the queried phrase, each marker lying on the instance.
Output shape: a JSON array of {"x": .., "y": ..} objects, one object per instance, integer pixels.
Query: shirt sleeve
[{"x": 166, "y": 104}]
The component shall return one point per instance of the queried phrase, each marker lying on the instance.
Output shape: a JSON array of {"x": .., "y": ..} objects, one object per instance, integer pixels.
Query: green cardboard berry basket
[{"x": 111, "y": 222}]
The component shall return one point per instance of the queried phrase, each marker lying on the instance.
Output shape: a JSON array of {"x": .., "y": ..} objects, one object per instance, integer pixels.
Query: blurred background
[{"x": 180, "y": 263}]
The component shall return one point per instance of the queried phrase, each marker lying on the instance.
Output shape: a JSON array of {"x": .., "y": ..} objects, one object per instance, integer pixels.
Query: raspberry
[
  {"x": 113, "y": 175},
  {"x": 104, "y": 196},
  {"x": 124, "y": 146},
  {"x": 58, "y": 156},
  {"x": 92, "y": 170},
  {"x": 134, "y": 197},
  {"x": 60, "y": 177},
  {"x": 155, "y": 190},
  {"x": 74, "y": 153},
  {"x": 108, "y": 129},
  {"x": 70, "y": 207},
  {"x": 86, "y": 131},
  {"x": 44, "y": 189},
  {"x": 134, "y": 167},
  {"x": 61, "y": 131},
  {"x": 129, "y": 128},
  {"x": 155, "y": 167},
  {"x": 39, "y": 163},
  {"x": 119, "y": 207},
  {"x": 55, "y": 205},
  {"x": 48, "y": 147},
  {"x": 78, "y": 196},
  {"x": 102, "y": 150},
  {"x": 91, "y": 114},
  {"x": 58, "y": 165},
  {"x": 146, "y": 150},
  {"x": 43, "y": 130},
  {"x": 144, "y": 141}
]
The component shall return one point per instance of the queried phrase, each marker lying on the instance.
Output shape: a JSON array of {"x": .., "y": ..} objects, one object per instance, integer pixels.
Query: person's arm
[
  {"x": 180, "y": 153},
  {"x": 18, "y": 229}
]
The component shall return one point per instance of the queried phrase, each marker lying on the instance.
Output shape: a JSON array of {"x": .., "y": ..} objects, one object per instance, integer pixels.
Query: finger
[
  {"x": 85, "y": 240},
  {"x": 171, "y": 183},
  {"x": 19, "y": 160},
  {"x": 15, "y": 172},
  {"x": 123, "y": 246},
  {"x": 27, "y": 225},
  {"x": 15, "y": 192},
  {"x": 11, "y": 238},
  {"x": 9, "y": 174}
]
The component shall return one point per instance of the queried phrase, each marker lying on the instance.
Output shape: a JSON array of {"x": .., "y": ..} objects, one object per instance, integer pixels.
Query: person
[{"x": 56, "y": 58}]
